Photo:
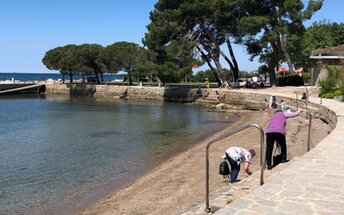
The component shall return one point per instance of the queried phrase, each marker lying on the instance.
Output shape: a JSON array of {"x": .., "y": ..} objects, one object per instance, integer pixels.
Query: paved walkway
[{"x": 313, "y": 184}]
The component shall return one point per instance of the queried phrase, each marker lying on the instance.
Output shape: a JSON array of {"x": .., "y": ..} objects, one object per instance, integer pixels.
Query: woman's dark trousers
[{"x": 270, "y": 140}]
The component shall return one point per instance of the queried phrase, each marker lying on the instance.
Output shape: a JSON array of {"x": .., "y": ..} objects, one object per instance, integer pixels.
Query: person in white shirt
[{"x": 236, "y": 155}]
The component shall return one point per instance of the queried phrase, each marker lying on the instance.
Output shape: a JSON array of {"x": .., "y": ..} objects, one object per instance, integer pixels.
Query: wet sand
[{"x": 178, "y": 185}]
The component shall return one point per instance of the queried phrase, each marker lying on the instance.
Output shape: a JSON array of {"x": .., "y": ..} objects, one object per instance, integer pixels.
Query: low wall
[
  {"x": 176, "y": 94},
  {"x": 187, "y": 94},
  {"x": 261, "y": 100}
]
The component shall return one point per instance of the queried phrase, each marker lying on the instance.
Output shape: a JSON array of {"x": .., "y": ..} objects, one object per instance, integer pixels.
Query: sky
[{"x": 29, "y": 28}]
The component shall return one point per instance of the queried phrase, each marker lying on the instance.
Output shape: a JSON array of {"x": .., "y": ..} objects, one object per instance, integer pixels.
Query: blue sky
[{"x": 29, "y": 28}]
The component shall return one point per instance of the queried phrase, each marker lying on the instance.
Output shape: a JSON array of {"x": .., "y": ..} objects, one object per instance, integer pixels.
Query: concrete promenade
[{"x": 312, "y": 184}]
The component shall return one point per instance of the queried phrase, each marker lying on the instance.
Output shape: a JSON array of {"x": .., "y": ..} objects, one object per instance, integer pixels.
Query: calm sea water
[
  {"x": 59, "y": 154},
  {"x": 45, "y": 76}
]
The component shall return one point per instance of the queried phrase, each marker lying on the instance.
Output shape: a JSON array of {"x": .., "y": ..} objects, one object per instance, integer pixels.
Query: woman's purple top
[{"x": 278, "y": 122}]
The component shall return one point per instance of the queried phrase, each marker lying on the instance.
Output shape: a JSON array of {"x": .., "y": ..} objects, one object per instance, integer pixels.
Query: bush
[
  {"x": 328, "y": 95},
  {"x": 338, "y": 92},
  {"x": 333, "y": 84},
  {"x": 294, "y": 80},
  {"x": 306, "y": 77}
]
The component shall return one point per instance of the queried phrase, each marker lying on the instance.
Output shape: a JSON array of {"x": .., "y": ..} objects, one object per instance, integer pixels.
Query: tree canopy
[
  {"x": 204, "y": 25},
  {"x": 122, "y": 56},
  {"x": 268, "y": 23},
  {"x": 318, "y": 36},
  {"x": 184, "y": 33},
  {"x": 261, "y": 25}
]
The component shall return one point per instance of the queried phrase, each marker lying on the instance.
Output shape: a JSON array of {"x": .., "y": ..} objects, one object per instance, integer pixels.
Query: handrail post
[
  {"x": 309, "y": 129},
  {"x": 320, "y": 96},
  {"x": 227, "y": 134},
  {"x": 297, "y": 101},
  {"x": 306, "y": 97}
]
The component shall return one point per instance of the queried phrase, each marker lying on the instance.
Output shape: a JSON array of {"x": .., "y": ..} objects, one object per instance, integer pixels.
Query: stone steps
[{"x": 224, "y": 196}]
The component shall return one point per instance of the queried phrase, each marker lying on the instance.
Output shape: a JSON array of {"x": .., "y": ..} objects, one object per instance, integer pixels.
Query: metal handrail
[
  {"x": 227, "y": 134},
  {"x": 309, "y": 129},
  {"x": 297, "y": 99},
  {"x": 307, "y": 99}
]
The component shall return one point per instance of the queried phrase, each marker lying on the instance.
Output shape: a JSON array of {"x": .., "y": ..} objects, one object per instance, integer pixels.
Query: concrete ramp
[{"x": 30, "y": 88}]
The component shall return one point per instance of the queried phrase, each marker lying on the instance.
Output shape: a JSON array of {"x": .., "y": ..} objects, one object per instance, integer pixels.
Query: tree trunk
[
  {"x": 97, "y": 77},
  {"x": 235, "y": 68},
  {"x": 207, "y": 60},
  {"x": 130, "y": 81},
  {"x": 286, "y": 54},
  {"x": 271, "y": 69},
  {"x": 221, "y": 74},
  {"x": 70, "y": 77},
  {"x": 215, "y": 57},
  {"x": 235, "y": 71},
  {"x": 101, "y": 77}
]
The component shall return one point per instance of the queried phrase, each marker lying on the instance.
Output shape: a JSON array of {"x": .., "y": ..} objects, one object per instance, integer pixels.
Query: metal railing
[
  {"x": 297, "y": 99},
  {"x": 307, "y": 98},
  {"x": 227, "y": 134},
  {"x": 309, "y": 129}
]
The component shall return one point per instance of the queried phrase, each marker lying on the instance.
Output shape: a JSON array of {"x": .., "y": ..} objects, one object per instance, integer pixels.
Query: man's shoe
[
  {"x": 284, "y": 161},
  {"x": 269, "y": 167}
]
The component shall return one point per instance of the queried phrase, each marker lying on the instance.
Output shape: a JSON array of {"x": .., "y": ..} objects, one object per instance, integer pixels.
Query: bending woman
[{"x": 276, "y": 132}]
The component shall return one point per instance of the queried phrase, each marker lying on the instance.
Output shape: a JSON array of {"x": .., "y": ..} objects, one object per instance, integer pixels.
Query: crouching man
[{"x": 236, "y": 155}]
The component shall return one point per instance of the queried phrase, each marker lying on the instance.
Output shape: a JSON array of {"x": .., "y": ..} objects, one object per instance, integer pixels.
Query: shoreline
[
  {"x": 151, "y": 173},
  {"x": 96, "y": 194},
  {"x": 177, "y": 184}
]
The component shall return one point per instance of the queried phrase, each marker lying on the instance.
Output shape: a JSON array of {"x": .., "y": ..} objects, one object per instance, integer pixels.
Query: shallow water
[{"x": 58, "y": 155}]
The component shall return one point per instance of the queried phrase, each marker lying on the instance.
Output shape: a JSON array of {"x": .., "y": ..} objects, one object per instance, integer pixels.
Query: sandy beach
[{"x": 178, "y": 185}]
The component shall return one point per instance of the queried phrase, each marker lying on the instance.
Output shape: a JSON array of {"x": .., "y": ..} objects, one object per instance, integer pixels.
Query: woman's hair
[{"x": 278, "y": 110}]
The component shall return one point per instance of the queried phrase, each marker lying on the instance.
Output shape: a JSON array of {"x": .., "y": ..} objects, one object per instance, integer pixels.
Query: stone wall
[
  {"x": 261, "y": 101},
  {"x": 57, "y": 89},
  {"x": 176, "y": 94},
  {"x": 186, "y": 94}
]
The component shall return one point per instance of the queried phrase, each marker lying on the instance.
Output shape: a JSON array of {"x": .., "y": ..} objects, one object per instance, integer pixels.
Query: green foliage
[
  {"x": 319, "y": 35},
  {"x": 294, "y": 80},
  {"x": 168, "y": 72},
  {"x": 52, "y": 58},
  {"x": 268, "y": 23},
  {"x": 202, "y": 75},
  {"x": 333, "y": 84},
  {"x": 123, "y": 56},
  {"x": 73, "y": 59},
  {"x": 338, "y": 92},
  {"x": 203, "y": 25},
  {"x": 306, "y": 77},
  {"x": 263, "y": 69},
  {"x": 88, "y": 59},
  {"x": 328, "y": 95}
]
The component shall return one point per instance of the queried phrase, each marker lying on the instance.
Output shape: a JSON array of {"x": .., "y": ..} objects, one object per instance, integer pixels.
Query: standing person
[
  {"x": 218, "y": 96},
  {"x": 276, "y": 132},
  {"x": 236, "y": 155},
  {"x": 304, "y": 96},
  {"x": 283, "y": 106},
  {"x": 207, "y": 83},
  {"x": 273, "y": 102}
]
